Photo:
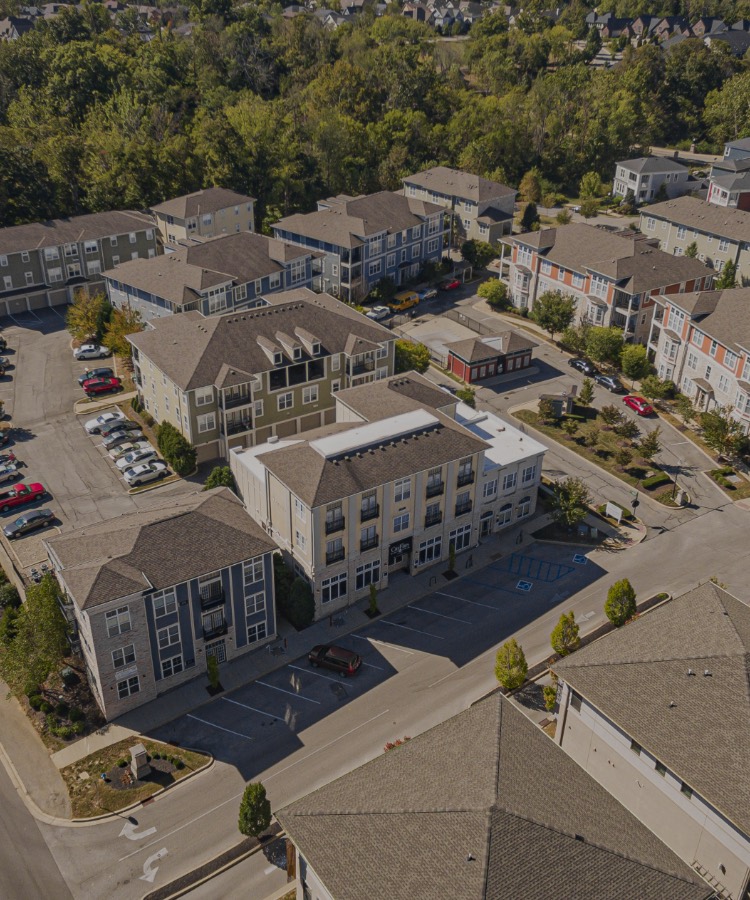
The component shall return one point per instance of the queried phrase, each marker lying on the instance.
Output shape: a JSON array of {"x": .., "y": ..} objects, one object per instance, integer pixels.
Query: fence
[{"x": 474, "y": 324}]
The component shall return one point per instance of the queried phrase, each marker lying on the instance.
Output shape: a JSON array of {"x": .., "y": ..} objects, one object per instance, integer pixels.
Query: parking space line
[
  {"x": 464, "y": 600},
  {"x": 221, "y": 728},
  {"x": 415, "y": 630},
  {"x": 382, "y": 643},
  {"x": 291, "y": 693},
  {"x": 371, "y": 666},
  {"x": 443, "y": 678},
  {"x": 431, "y": 613},
  {"x": 259, "y": 711},
  {"x": 316, "y": 674}
]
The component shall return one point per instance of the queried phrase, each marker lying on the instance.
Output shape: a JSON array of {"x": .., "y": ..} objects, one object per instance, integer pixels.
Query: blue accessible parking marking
[
  {"x": 580, "y": 560},
  {"x": 524, "y": 586},
  {"x": 532, "y": 567}
]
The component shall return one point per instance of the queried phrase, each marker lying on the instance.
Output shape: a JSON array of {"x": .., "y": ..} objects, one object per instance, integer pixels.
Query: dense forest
[{"x": 92, "y": 117}]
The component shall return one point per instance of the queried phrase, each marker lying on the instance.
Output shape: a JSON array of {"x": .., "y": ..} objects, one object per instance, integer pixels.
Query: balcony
[
  {"x": 213, "y": 631},
  {"x": 230, "y": 428},
  {"x": 465, "y": 478},
  {"x": 463, "y": 508},
  {"x": 435, "y": 489},
  {"x": 360, "y": 368},
  {"x": 369, "y": 544},
  {"x": 234, "y": 402},
  {"x": 371, "y": 512},
  {"x": 211, "y": 595},
  {"x": 335, "y": 556},
  {"x": 334, "y": 525},
  {"x": 433, "y": 519}
]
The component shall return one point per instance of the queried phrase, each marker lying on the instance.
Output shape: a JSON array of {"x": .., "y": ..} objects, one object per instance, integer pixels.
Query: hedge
[{"x": 656, "y": 480}]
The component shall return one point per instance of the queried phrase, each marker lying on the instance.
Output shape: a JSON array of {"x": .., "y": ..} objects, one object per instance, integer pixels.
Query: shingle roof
[
  {"x": 651, "y": 164},
  {"x": 393, "y": 396},
  {"x": 741, "y": 144},
  {"x": 635, "y": 673},
  {"x": 193, "y": 350},
  {"x": 726, "y": 315},
  {"x": 474, "y": 350},
  {"x": 702, "y": 216},
  {"x": 209, "y": 200},
  {"x": 455, "y": 183},
  {"x": 348, "y": 221},
  {"x": 482, "y": 807},
  {"x": 90, "y": 227},
  {"x": 157, "y": 547}
]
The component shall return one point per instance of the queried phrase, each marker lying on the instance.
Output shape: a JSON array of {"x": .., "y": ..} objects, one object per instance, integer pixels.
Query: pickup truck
[{"x": 20, "y": 495}]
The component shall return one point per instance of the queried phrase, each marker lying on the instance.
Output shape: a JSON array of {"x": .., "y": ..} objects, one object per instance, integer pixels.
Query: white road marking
[
  {"x": 464, "y": 600},
  {"x": 431, "y": 613},
  {"x": 129, "y": 831},
  {"x": 291, "y": 693},
  {"x": 220, "y": 727},
  {"x": 415, "y": 630},
  {"x": 316, "y": 674},
  {"x": 259, "y": 711},
  {"x": 443, "y": 678},
  {"x": 149, "y": 873},
  {"x": 382, "y": 643},
  {"x": 371, "y": 666}
]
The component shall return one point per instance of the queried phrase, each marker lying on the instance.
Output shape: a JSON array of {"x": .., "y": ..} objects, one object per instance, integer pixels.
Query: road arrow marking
[
  {"x": 149, "y": 873},
  {"x": 129, "y": 831}
]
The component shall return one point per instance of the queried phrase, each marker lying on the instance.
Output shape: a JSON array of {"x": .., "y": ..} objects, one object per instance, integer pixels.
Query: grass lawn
[{"x": 91, "y": 796}]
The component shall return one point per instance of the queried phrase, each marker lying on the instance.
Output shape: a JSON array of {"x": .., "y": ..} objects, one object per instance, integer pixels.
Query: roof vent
[
  {"x": 706, "y": 673},
  {"x": 690, "y": 672},
  {"x": 672, "y": 704},
  {"x": 471, "y": 858},
  {"x": 579, "y": 837}
]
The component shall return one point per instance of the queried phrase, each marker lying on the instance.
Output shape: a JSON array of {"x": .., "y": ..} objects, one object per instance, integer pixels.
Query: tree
[
  {"x": 478, "y": 253},
  {"x": 530, "y": 187},
  {"x": 412, "y": 355},
  {"x": 374, "y": 611},
  {"x": 495, "y": 293},
  {"x": 654, "y": 388},
  {"x": 721, "y": 432},
  {"x": 650, "y": 445},
  {"x": 727, "y": 277},
  {"x": 529, "y": 217},
  {"x": 554, "y": 312},
  {"x": 301, "y": 610},
  {"x": 212, "y": 670},
  {"x": 220, "y": 476},
  {"x": 634, "y": 361},
  {"x": 574, "y": 338},
  {"x": 510, "y": 665},
  {"x": 623, "y": 457},
  {"x": 83, "y": 318},
  {"x": 546, "y": 409},
  {"x": 565, "y": 638},
  {"x": 383, "y": 291},
  {"x": 564, "y": 217},
  {"x": 586, "y": 395},
  {"x": 570, "y": 427},
  {"x": 620, "y": 604},
  {"x": 255, "y": 810},
  {"x": 589, "y": 208},
  {"x": 570, "y": 502},
  {"x": 123, "y": 322},
  {"x": 611, "y": 415},
  {"x": 604, "y": 344},
  {"x": 468, "y": 396},
  {"x": 691, "y": 251},
  {"x": 685, "y": 408},
  {"x": 591, "y": 186},
  {"x": 176, "y": 449}
]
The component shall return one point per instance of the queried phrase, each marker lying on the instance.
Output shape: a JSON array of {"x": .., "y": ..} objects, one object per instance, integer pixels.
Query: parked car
[
  {"x": 95, "y": 386},
  {"x": 94, "y": 426},
  {"x": 20, "y": 495},
  {"x": 119, "y": 438},
  {"x": 583, "y": 365},
  {"x": 638, "y": 405},
  {"x": 450, "y": 284},
  {"x": 7, "y": 458},
  {"x": 403, "y": 301},
  {"x": 152, "y": 471},
  {"x": 120, "y": 450},
  {"x": 136, "y": 457},
  {"x": 428, "y": 294},
  {"x": 9, "y": 472},
  {"x": 3, "y": 343},
  {"x": 4, "y": 362},
  {"x": 102, "y": 372},
  {"x": 378, "y": 312},
  {"x": 610, "y": 382},
  {"x": 30, "y": 521},
  {"x": 91, "y": 351},
  {"x": 338, "y": 659},
  {"x": 122, "y": 424}
]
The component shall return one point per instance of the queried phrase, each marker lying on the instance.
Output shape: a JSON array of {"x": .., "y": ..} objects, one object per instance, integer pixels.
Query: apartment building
[
  {"x": 403, "y": 474},
  {"x": 613, "y": 277},
  {"x": 731, "y": 190},
  {"x": 721, "y": 234},
  {"x": 152, "y": 594},
  {"x": 645, "y": 176},
  {"x": 364, "y": 239},
  {"x": 481, "y": 209},
  {"x": 232, "y": 272},
  {"x": 237, "y": 380},
  {"x": 45, "y": 263},
  {"x": 207, "y": 213},
  {"x": 658, "y": 713},
  {"x": 739, "y": 149},
  {"x": 702, "y": 343}
]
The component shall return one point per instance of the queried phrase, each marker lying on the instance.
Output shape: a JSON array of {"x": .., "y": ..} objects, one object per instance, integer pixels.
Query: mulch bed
[{"x": 121, "y": 779}]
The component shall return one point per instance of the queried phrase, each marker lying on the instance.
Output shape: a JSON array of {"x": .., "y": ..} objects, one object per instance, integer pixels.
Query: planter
[
  {"x": 372, "y": 614},
  {"x": 213, "y": 691},
  {"x": 450, "y": 575}
]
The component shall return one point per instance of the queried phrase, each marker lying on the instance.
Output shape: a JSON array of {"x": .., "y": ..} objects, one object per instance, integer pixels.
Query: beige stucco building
[{"x": 206, "y": 213}]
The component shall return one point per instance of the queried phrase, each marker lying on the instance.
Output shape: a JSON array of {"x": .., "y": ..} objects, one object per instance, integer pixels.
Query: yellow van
[{"x": 404, "y": 300}]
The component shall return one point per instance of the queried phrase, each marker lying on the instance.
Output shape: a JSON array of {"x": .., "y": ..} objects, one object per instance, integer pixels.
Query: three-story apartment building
[
  {"x": 46, "y": 263},
  {"x": 207, "y": 213},
  {"x": 231, "y": 272},
  {"x": 403, "y": 475},
  {"x": 239, "y": 379},
  {"x": 152, "y": 594},
  {"x": 645, "y": 176},
  {"x": 701, "y": 341},
  {"x": 361, "y": 240},
  {"x": 613, "y": 277}
]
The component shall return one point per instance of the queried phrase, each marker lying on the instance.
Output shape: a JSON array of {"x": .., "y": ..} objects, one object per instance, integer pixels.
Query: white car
[
  {"x": 8, "y": 472},
  {"x": 136, "y": 457},
  {"x": 119, "y": 450},
  {"x": 143, "y": 474},
  {"x": 94, "y": 426},
  {"x": 91, "y": 351},
  {"x": 378, "y": 313}
]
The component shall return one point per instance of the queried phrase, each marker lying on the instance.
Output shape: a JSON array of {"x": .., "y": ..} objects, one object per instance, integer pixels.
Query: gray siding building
[{"x": 206, "y": 213}]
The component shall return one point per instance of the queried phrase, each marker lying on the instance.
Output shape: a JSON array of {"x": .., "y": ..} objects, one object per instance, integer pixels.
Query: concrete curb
[{"x": 81, "y": 407}]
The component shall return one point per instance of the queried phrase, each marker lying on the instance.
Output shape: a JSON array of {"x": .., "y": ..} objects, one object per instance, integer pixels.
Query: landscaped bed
[
  {"x": 731, "y": 482},
  {"x": 92, "y": 795}
]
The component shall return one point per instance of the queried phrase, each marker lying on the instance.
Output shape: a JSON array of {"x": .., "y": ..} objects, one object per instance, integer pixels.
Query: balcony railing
[
  {"x": 371, "y": 512},
  {"x": 463, "y": 508},
  {"x": 465, "y": 478},
  {"x": 234, "y": 402},
  {"x": 369, "y": 544},
  {"x": 433, "y": 519},
  {"x": 435, "y": 489},
  {"x": 230, "y": 428},
  {"x": 213, "y": 631},
  {"x": 334, "y": 525},
  {"x": 212, "y": 595},
  {"x": 335, "y": 556},
  {"x": 367, "y": 365}
]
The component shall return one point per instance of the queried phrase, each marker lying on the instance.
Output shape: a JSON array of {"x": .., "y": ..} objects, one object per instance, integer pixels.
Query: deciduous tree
[
  {"x": 570, "y": 501},
  {"x": 84, "y": 315},
  {"x": 510, "y": 665},
  {"x": 495, "y": 293},
  {"x": 650, "y": 445},
  {"x": 220, "y": 476},
  {"x": 634, "y": 361},
  {"x": 122, "y": 323},
  {"x": 565, "y": 635},
  {"x": 620, "y": 604},
  {"x": 412, "y": 355},
  {"x": 586, "y": 395},
  {"x": 721, "y": 432},
  {"x": 604, "y": 344},
  {"x": 554, "y": 312},
  {"x": 727, "y": 277}
]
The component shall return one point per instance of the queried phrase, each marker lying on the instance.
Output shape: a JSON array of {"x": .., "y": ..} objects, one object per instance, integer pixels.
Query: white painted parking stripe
[
  {"x": 316, "y": 674},
  {"x": 431, "y": 613},
  {"x": 415, "y": 630},
  {"x": 221, "y": 728},
  {"x": 291, "y": 693},
  {"x": 371, "y": 666},
  {"x": 443, "y": 678},
  {"x": 259, "y": 711},
  {"x": 464, "y": 600},
  {"x": 382, "y": 643}
]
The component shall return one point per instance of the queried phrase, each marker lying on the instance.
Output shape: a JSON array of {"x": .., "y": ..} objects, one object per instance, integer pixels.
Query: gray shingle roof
[
  {"x": 486, "y": 784},
  {"x": 703, "y": 216},
  {"x": 395, "y": 395},
  {"x": 474, "y": 350},
  {"x": 455, "y": 183},
  {"x": 722, "y": 315},
  {"x": 157, "y": 547},
  {"x": 68, "y": 231},
  {"x": 634, "y": 673},
  {"x": 651, "y": 164},
  {"x": 192, "y": 349},
  {"x": 209, "y": 200}
]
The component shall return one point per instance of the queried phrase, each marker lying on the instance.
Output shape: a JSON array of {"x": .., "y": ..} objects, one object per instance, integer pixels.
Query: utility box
[{"x": 139, "y": 762}]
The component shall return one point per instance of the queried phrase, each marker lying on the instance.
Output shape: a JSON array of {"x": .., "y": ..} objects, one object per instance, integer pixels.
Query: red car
[
  {"x": 101, "y": 385},
  {"x": 638, "y": 405},
  {"x": 450, "y": 284}
]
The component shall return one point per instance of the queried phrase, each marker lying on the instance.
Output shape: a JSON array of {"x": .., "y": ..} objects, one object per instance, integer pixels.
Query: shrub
[
  {"x": 65, "y": 732},
  {"x": 32, "y": 688},
  {"x": 45, "y": 707},
  {"x": 122, "y": 763},
  {"x": 550, "y": 696},
  {"x": 76, "y": 714},
  {"x": 149, "y": 419},
  {"x": 157, "y": 755},
  {"x": 78, "y": 727},
  {"x": 620, "y": 604},
  {"x": 610, "y": 415},
  {"x": 656, "y": 480},
  {"x": 301, "y": 609},
  {"x": 467, "y": 396},
  {"x": 179, "y": 764},
  {"x": 176, "y": 449},
  {"x": 135, "y": 404},
  {"x": 9, "y": 596},
  {"x": 35, "y": 701},
  {"x": 628, "y": 429}
]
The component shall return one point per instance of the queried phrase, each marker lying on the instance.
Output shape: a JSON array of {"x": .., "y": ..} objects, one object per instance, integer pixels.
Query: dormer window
[
  {"x": 316, "y": 349},
  {"x": 278, "y": 359},
  {"x": 297, "y": 354}
]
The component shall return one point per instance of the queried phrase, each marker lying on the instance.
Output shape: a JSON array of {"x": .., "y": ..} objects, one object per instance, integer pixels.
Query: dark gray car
[
  {"x": 610, "y": 383},
  {"x": 103, "y": 372},
  {"x": 30, "y": 521}
]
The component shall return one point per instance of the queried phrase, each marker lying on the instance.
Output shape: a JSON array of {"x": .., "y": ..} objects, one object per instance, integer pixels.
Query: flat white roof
[
  {"x": 508, "y": 444},
  {"x": 373, "y": 433}
]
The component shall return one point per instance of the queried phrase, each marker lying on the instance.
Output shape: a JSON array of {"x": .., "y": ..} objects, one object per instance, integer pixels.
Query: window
[
  {"x": 123, "y": 656},
  {"x": 681, "y": 232},
  {"x": 300, "y": 509},
  {"x": 258, "y": 407},
  {"x": 575, "y": 701},
  {"x": 578, "y": 280},
  {"x": 93, "y": 267},
  {"x": 335, "y": 387},
  {"x": 128, "y": 686},
  {"x": 298, "y": 270},
  {"x": 206, "y": 423},
  {"x": 74, "y": 270},
  {"x": 165, "y": 602},
  {"x": 71, "y": 250},
  {"x": 49, "y": 253},
  {"x": 118, "y": 621},
  {"x": 489, "y": 489},
  {"x": 3, "y": 261},
  {"x": 714, "y": 347},
  {"x": 54, "y": 275},
  {"x": 204, "y": 396},
  {"x": 335, "y": 363},
  {"x": 430, "y": 550},
  {"x": 730, "y": 359},
  {"x": 461, "y": 537},
  {"x": 252, "y": 571},
  {"x": 29, "y": 277},
  {"x": 636, "y": 748},
  {"x": 723, "y": 245},
  {"x": 171, "y": 666},
  {"x": 7, "y": 282},
  {"x": 692, "y": 361},
  {"x": 529, "y": 474},
  {"x": 310, "y": 394},
  {"x": 697, "y": 337},
  {"x": 255, "y": 603},
  {"x": 381, "y": 352},
  {"x": 415, "y": 251},
  {"x": 375, "y": 267},
  {"x": 169, "y": 635},
  {"x": 660, "y": 768},
  {"x": 524, "y": 507},
  {"x": 132, "y": 237},
  {"x": 217, "y": 301},
  {"x": 274, "y": 281},
  {"x": 723, "y": 384},
  {"x": 391, "y": 243},
  {"x": 369, "y": 573},
  {"x": 256, "y": 632},
  {"x": 25, "y": 255},
  {"x": 402, "y": 489},
  {"x": 401, "y": 522},
  {"x": 300, "y": 540},
  {"x": 504, "y": 515},
  {"x": 509, "y": 481},
  {"x": 650, "y": 223},
  {"x": 432, "y": 245},
  {"x": 545, "y": 267},
  {"x": 390, "y": 261},
  {"x": 333, "y": 588},
  {"x": 686, "y": 790},
  {"x": 284, "y": 401}
]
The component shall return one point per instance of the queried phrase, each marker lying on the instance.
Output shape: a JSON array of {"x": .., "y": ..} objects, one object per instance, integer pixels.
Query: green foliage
[
  {"x": 549, "y": 693},
  {"x": 604, "y": 344},
  {"x": 176, "y": 449},
  {"x": 570, "y": 501},
  {"x": 685, "y": 408},
  {"x": 85, "y": 314},
  {"x": 121, "y": 323},
  {"x": 570, "y": 427},
  {"x": 611, "y": 415},
  {"x": 691, "y": 251},
  {"x": 574, "y": 338},
  {"x": 591, "y": 186},
  {"x": 564, "y": 217},
  {"x": 653, "y": 388},
  {"x": 220, "y": 476},
  {"x": 255, "y": 810},
  {"x": 478, "y": 253},
  {"x": 529, "y": 217},
  {"x": 565, "y": 638},
  {"x": 589, "y": 208},
  {"x": 620, "y": 604},
  {"x": 623, "y": 457},
  {"x": 511, "y": 667},
  {"x": 546, "y": 410},
  {"x": 627, "y": 429},
  {"x": 452, "y": 557},
  {"x": 554, "y": 312},
  {"x": 727, "y": 277},
  {"x": 373, "y": 600},
  {"x": 383, "y": 291},
  {"x": 655, "y": 481},
  {"x": 9, "y": 596},
  {"x": 530, "y": 187},
  {"x": 650, "y": 445},
  {"x": 721, "y": 432},
  {"x": 212, "y": 670},
  {"x": 495, "y": 293},
  {"x": 411, "y": 355},
  {"x": 634, "y": 361},
  {"x": 301, "y": 609},
  {"x": 468, "y": 396},
  {"x": 586, "y": 395}
]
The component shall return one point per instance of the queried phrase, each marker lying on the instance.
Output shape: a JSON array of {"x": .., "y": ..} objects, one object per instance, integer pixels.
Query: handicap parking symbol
[
  {"x": 580, "y": 560},
  {"x": 524, "y": 586}
]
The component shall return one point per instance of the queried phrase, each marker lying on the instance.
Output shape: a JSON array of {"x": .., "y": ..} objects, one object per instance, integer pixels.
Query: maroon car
[
  {"x": 638, "y": 405},
  {"x": 101, "y": 386},
  {"x": 338, "y": 659}
]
